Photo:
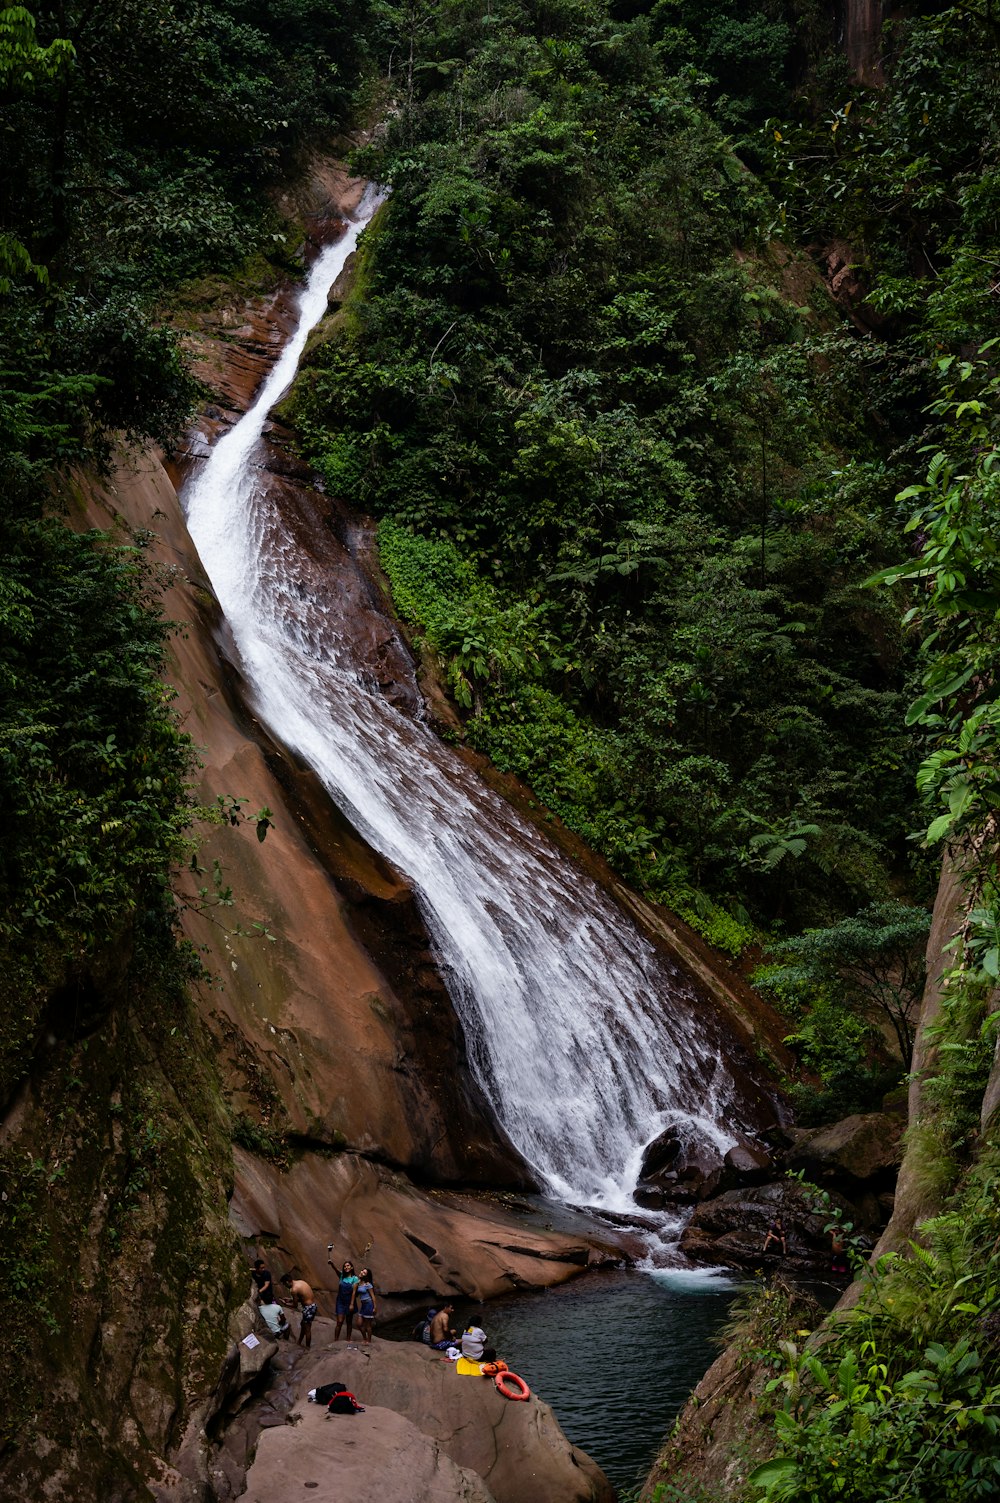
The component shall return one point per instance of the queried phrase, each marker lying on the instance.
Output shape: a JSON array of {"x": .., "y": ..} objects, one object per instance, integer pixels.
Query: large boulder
[
  {"x": 662, "y": 1153},
  {"x": 748, "y": 1163},
  {"x": 863, "y": 1150},
  {"x": 679, "y": 1172},
  {"x": 730, "y": 1230}
]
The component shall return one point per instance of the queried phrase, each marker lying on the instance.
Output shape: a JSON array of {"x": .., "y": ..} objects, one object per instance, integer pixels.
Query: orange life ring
[{"x": 522, "y": 1390}]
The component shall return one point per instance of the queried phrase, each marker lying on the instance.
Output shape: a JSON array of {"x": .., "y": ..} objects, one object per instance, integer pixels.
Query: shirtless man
[
  {"x": 304, "y": 1300},
  {"x": 441, "y": 1332}
]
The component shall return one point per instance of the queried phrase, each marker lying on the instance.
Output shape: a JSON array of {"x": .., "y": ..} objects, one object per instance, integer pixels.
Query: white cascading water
[{"x": 581, "y": 1035}]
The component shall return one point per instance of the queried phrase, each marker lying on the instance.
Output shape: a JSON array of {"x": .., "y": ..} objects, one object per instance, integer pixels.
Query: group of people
[
  {"x": 355, "y": 1296},
  {"x": 437, "y": 1332}
]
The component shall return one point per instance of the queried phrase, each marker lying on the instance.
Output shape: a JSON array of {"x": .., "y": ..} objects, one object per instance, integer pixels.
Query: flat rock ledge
[{"x": 426, "y": 1434}]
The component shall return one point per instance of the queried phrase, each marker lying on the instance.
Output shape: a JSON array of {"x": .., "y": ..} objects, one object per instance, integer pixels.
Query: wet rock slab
[{"x": 424, "y": 1247}]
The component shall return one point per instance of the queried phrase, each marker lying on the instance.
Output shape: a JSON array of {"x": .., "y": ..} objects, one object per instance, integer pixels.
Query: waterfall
[{"x": 580, "y": 1033}]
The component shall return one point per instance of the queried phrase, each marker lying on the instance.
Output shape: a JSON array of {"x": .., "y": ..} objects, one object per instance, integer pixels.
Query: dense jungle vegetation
[
  {"x": 634, "y": 466},
  {"x": 139, "y": 142},
  {"x": 707, "y": 555}
]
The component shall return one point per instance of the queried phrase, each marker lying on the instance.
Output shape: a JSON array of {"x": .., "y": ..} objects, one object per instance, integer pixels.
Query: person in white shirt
[
  {"x": 274, "y": 1318},
  {"x": 474, "y": 1348}
]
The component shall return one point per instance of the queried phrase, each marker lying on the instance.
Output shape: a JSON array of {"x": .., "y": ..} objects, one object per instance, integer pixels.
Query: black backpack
[
  {"x": 344, "y": 1403},
  {"x": 327, "y": 1391}
]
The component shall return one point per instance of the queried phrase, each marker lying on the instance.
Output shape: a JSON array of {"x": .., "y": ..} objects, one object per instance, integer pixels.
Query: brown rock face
[
  {"x": 731, "y": 1229},
  {"x": 313, "y": 1037},
  {"x": 859, "y": 1150},
  {"x": 423, "y": 1248},
  {"x": 861, "y": 24}
]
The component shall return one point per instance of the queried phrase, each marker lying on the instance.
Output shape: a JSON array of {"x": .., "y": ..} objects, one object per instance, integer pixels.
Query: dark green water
[{"x": 616, "y": 1354}]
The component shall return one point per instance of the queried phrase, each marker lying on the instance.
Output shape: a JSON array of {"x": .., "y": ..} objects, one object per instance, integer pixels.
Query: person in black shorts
[{"x": 776, "y": 1234}]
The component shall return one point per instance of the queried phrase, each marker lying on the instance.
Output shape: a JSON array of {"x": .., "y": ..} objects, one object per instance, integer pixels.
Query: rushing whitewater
[{"x": 582, "y": 1036}]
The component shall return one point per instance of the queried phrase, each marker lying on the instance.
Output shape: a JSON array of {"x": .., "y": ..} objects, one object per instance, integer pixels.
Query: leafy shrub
[{"x": 93, "y": 795}]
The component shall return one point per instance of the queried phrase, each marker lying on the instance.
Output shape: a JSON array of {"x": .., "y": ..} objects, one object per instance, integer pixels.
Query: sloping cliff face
[
  {"x": 344, "y": 1053},
  {"x": 861, "y": 24},
  {"x": 313, "y": 1038},
  {"x": 314, "y": 1090}
]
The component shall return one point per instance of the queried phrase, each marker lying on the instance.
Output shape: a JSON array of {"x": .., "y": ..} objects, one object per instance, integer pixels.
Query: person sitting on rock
[
  {"x": 305, "y": 1300},
  {"x": 474, "y": 1348},
  {"x": 273, "y": 1317},
  {"x": 776, "y": 1234},
  {"x": 441, "y": 1333}
]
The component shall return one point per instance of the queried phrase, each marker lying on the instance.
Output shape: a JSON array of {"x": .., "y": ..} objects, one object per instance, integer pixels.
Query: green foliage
[
  {"x": 139, "y": 136},
  {"x": 872, "y": 964},
  {"x": 846, "y": 1053},
  {"x": 744, "y": 53},
  {"x": 633, "y": 435},
  {"x": 845, "y": 987},
  {"x": 766, "y": 1314},
  {"x": 93, "y": 789},
  {"x": 498, "y": 655},
  {"x": 956, "y": 586},
  {"x": 686, "y": 1492},
  {"x": 907, "y": 174},
  {"x": 821, "y": 1203},
  {"x": 930, "y": 1433},
  {"x": 963, "y": 1037},
  {"x": 903, "y": 1399},
  {"x": 261, "y": 1138}
]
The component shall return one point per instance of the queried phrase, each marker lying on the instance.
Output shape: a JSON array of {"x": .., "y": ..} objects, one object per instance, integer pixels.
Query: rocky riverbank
[{"x": 426, "y": 1433}]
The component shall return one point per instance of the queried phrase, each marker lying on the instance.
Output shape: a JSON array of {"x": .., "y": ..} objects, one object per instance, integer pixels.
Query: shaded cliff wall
[
  {"x": 917, "y": 1199},
  {"x": 860, "y": 25},
  {"x": 121, "y": 1265}
]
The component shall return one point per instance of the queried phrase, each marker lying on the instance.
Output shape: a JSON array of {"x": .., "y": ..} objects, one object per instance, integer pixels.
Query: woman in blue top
[
  {"x": 345, "y": 1300},
  {"x": 364, "y": 1303}
]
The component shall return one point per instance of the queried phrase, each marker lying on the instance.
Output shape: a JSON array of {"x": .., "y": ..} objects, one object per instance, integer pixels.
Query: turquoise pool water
[{"x": 616, "y": 1354}]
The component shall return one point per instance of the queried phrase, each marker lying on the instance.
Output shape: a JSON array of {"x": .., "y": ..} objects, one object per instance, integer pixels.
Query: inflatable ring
[{"x": 520, "y": 1391}]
